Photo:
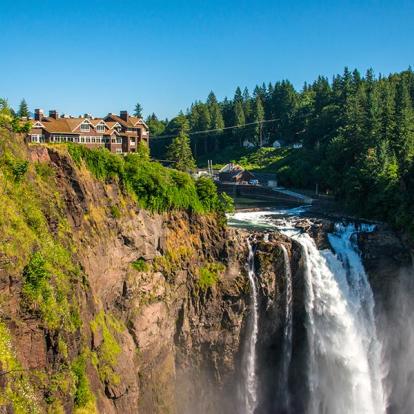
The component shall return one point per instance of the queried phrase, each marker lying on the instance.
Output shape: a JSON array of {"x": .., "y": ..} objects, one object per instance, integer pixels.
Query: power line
[{"x": 219, "y": 129}]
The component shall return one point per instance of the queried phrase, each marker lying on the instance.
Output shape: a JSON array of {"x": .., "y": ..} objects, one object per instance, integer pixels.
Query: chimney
[
  {"x": 38, "y": 114},
  {"x": 124, "y": 115},
  {"x": 53, "y": 114}
]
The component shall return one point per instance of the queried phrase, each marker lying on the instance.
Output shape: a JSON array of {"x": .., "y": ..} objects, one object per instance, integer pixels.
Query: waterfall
[
  {"x": 344, "y": 351},
  {"x": 251, "y": 380},
  {"x": 344, "y": 369},
  {"x": 287, "y": 334}
]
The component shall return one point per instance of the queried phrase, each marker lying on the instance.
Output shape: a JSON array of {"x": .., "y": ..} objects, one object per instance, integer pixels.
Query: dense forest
[{"x": 357, "y": 133}]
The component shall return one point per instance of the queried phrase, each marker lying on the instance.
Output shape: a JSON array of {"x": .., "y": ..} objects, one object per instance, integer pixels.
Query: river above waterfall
[{"x": 346, "y": 370}]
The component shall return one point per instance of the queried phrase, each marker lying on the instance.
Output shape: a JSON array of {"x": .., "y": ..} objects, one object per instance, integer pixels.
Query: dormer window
[
  {"x": 100, "y": 128},
  {"x": 85, "y": 127}
]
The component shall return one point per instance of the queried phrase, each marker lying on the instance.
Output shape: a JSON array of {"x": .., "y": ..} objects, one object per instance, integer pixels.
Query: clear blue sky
[{"x": 100, "y": 56}]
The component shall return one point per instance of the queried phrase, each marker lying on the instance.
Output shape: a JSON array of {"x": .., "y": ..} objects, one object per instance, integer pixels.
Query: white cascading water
[
  {"x": 287, "y": 334},
  {"x": 345, "y": 367},
  {"x": 251, "y": 380},
  {"x": 344, "y": 350}
]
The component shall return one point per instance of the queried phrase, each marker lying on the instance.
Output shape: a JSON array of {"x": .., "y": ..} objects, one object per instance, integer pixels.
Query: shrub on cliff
[
  {"x": 209, "y": 275},
  {"x": 157, "y": 188}
]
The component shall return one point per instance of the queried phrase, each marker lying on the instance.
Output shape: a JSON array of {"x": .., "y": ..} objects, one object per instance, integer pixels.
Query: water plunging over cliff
[
  {"x": 344, "y": 360},
  {"x": 287, "y": 334},
  {"x": 251, "y": 380},
  {"x": 344, "y": 368}
]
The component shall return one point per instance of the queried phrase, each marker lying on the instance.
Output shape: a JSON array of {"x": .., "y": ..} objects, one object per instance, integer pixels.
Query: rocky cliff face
[{"x": 161, "y": 302}]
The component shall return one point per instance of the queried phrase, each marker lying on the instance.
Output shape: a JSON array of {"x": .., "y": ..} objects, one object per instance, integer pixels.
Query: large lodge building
[{"x": 120, "y": 134}]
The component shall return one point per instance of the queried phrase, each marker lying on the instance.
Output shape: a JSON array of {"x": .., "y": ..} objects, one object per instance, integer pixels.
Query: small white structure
[
  {"x": 297, "y": 145},
  {"x": 277, "y": 144}
]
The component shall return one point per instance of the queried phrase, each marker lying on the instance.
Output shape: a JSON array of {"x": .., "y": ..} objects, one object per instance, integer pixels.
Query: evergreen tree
[
  {"x": 403, "y": 142},
  {"x": 216, "y": 118},
  {"x": 155, "y": 126},
  {"x": 238, "y": 97},
  {"x": 247, "y": 105},
  {"x": 23, "y": 109},
  {"x": 179, "y": 152},
  {"x": 178, "y": 124},
  {"x": 258, "y": 116},
  {"x": 138, "y": 110},
  {"x": 239, "y": 120}
]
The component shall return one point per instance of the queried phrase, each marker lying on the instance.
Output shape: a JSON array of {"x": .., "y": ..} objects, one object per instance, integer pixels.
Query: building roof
[
  {"x": 132, "y": 122},
  {"x": 72, "y": 125},
  {"x": 230, "y": 167}
]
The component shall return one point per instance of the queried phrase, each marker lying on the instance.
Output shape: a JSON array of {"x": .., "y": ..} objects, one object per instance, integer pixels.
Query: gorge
[{"x": 107, "y": 307}]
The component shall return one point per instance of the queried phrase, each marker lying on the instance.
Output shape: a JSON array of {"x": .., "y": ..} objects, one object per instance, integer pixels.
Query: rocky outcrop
[
  {"x": 163, "y": 302},
  {"x": 384, "y": 256}
]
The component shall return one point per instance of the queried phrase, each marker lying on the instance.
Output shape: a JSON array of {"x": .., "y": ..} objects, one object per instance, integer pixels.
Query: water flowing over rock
[
  {"x": 356, "y": 357},
  {"x": 251, "y": 381},
  {"x": 287, "y": 335}
]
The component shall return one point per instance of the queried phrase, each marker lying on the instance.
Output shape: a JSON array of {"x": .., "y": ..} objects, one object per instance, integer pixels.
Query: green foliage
[
  {"x": 138, "y": 110},
  {"x": 115, "y": 212},
  {"x": 23, "y": 109},
  {"x": 106, "y": 356},
  {"x": 44, "y": 170},
  {"x": 16, "y": 390},
  {"x": 6, "y": 116},
  {"x": 357, "y": 134},
  {"x": 209, "y": 275},
  {"x": 156, "y": 188},
  {"x": 17, "y": 167},
  {"x": 30, "y": 250},
  {"x": 207, "y": 193},
  {"x": 140, "y": 264},
  {"x": 45, "y": 288},
  {"x": 179, "y": 152},
  {"x": 102, "y": 163},
  {"x": 156, "y": 127},
  {"x": 83, "y": 393}
]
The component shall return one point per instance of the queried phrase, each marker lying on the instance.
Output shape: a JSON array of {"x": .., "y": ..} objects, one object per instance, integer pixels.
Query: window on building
[
  {"x": 119, "y": 140},
  {"x": 113, "y": 140},
  {"x": 88, "y": 139},
  {"x": 85, "y": 127},
  {"x": 100, "y": 128}
]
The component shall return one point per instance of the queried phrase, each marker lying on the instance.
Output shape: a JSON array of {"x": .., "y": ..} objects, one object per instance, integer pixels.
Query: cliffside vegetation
[
  {"x": 43, "y": 285},
  {"x": 155, "y": 187},
  {"x": 357, "y": 134}
]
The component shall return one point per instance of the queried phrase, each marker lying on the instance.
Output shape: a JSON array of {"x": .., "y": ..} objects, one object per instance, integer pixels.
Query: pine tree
[
  {"x": 216, "y": 118},
  {"x": 23, "y": 109},
  {"x": 156, "y": 127},
  {"x": 138, "y": 110},
  {"x": 179, "y": 152},
  {"x": 247, "y": 105},
  {"x": 178, "y": 124},
  {"x": 372, "y": 111},
  {"x": 239, "y": 120},
  {"x": 258, "y": 116},
  {"x": 404, "y": 126}
]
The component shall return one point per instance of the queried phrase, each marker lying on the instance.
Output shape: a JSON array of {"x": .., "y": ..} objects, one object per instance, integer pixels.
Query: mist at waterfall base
[{"x": 359, "y": 357}]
